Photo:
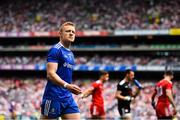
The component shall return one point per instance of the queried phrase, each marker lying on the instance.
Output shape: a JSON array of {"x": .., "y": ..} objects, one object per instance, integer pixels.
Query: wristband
[
  {"x": 128, "y": 98},
  {"x": 65, "y": 85},
  {"x": 82, "y": 95}
]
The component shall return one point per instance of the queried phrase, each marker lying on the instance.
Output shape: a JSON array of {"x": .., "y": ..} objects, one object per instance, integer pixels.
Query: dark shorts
[
  {"x": 55, "y": 108},
  {"x": 124, "y": 110}
]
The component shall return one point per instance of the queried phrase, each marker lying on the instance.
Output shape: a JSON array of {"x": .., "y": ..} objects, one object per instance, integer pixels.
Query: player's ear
[{"x": 59, "y": 32}]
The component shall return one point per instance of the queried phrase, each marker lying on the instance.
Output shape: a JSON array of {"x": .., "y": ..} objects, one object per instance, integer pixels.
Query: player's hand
[
  {"x": 128, "y": 98},
  {"x": 74, "y": 89},
  {"x": 80, "y": 97},
  {"x": 153, "y": 104},
  {"x": 174, "y": 111}
]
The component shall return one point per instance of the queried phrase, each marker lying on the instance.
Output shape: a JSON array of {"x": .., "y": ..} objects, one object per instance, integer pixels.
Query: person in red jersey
[
  {"x": 163, "y": 91},
  {"x": 97, "y": 110}
]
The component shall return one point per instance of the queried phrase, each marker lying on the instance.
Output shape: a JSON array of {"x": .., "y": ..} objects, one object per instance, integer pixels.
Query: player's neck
[
  {"x": 126, "y": 79},
  {"x": 167, "y": 78},
  {"x": 65, "y": 44},
  {"x": 101, "y": 80}
]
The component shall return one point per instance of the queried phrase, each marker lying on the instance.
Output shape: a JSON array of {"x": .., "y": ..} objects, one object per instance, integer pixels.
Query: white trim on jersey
[
  {"x": 63, "y": 46},
  {"x": 98, "y": 82},
  {"x": 95, "y": 110},
  {"x": 167, "y": 112},
  {"x": 47, "y": 107},
  {"x": 122, "y": 82},
  {"x": 58, "y": 45}
]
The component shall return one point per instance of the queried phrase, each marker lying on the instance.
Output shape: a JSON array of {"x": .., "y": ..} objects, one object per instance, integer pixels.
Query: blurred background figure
[
  {"x": 163, "y": 90},
  {"x": 125, "y": 95},
  {"x": 97, "y": 110}
]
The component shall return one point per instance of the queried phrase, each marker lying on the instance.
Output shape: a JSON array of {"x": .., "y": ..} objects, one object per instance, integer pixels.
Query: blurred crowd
[
  {"x": 20, "y": 16},
  {"x": 22, "y": 60},
  {"x": 21, "y": 99},
  {"x": 97, "y": 60},
  {"x": 127, "y": 60}
]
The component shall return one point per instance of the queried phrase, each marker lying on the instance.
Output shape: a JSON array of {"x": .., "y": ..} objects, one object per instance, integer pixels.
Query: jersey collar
[{"x": 63, "y": 46}]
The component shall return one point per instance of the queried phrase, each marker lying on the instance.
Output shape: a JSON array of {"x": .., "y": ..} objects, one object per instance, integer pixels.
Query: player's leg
[
  {"x": 127, "y": 116},
  {"x": 165, "y": 118},
  {"x": 71, "y": 116},
  {"x": 71, "y": 110},
  {"x": 103, "y": 117},
  {"x": 125, "y": 113},
  {"x": 95, "y": 117},
  {"x": 42, "y": 117}
]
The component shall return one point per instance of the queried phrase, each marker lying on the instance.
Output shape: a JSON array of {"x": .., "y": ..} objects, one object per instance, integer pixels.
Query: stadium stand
[{"x": 89, "y": 15}]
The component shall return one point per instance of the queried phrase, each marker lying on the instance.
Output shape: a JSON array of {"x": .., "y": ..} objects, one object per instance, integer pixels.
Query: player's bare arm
[
  {"x": 152, "y": 98},
  {"x": 153, "y": 95},
  {"x": 87, "y": 92},
  {"x": 51, "y": 75},
  {"x": 119, "y": 96},
  {"x": 170, "y": 97}
]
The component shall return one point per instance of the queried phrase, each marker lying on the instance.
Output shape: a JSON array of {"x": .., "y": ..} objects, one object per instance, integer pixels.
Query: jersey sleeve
[
  {"x": 94, "y": 85},
  {"x": 53, "y": 55},
  {"x": 119, "y": 87},
  {"x": 169, "y": 86}
]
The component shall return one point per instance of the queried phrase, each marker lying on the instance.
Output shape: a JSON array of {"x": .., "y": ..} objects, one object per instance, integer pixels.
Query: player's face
[
  {"x": 68, "y": 33},
  {"x": 106, "y": 77},
  {"x": 172, "y": 76},
  {"x": 131, "y": 76}
]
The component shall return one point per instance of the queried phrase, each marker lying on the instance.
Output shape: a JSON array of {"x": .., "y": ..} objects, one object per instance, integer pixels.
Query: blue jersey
[{"x": 65, "y": 59}]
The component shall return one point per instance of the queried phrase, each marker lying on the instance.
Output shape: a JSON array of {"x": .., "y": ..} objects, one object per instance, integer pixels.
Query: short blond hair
[{"x": 65, "y": 24}]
